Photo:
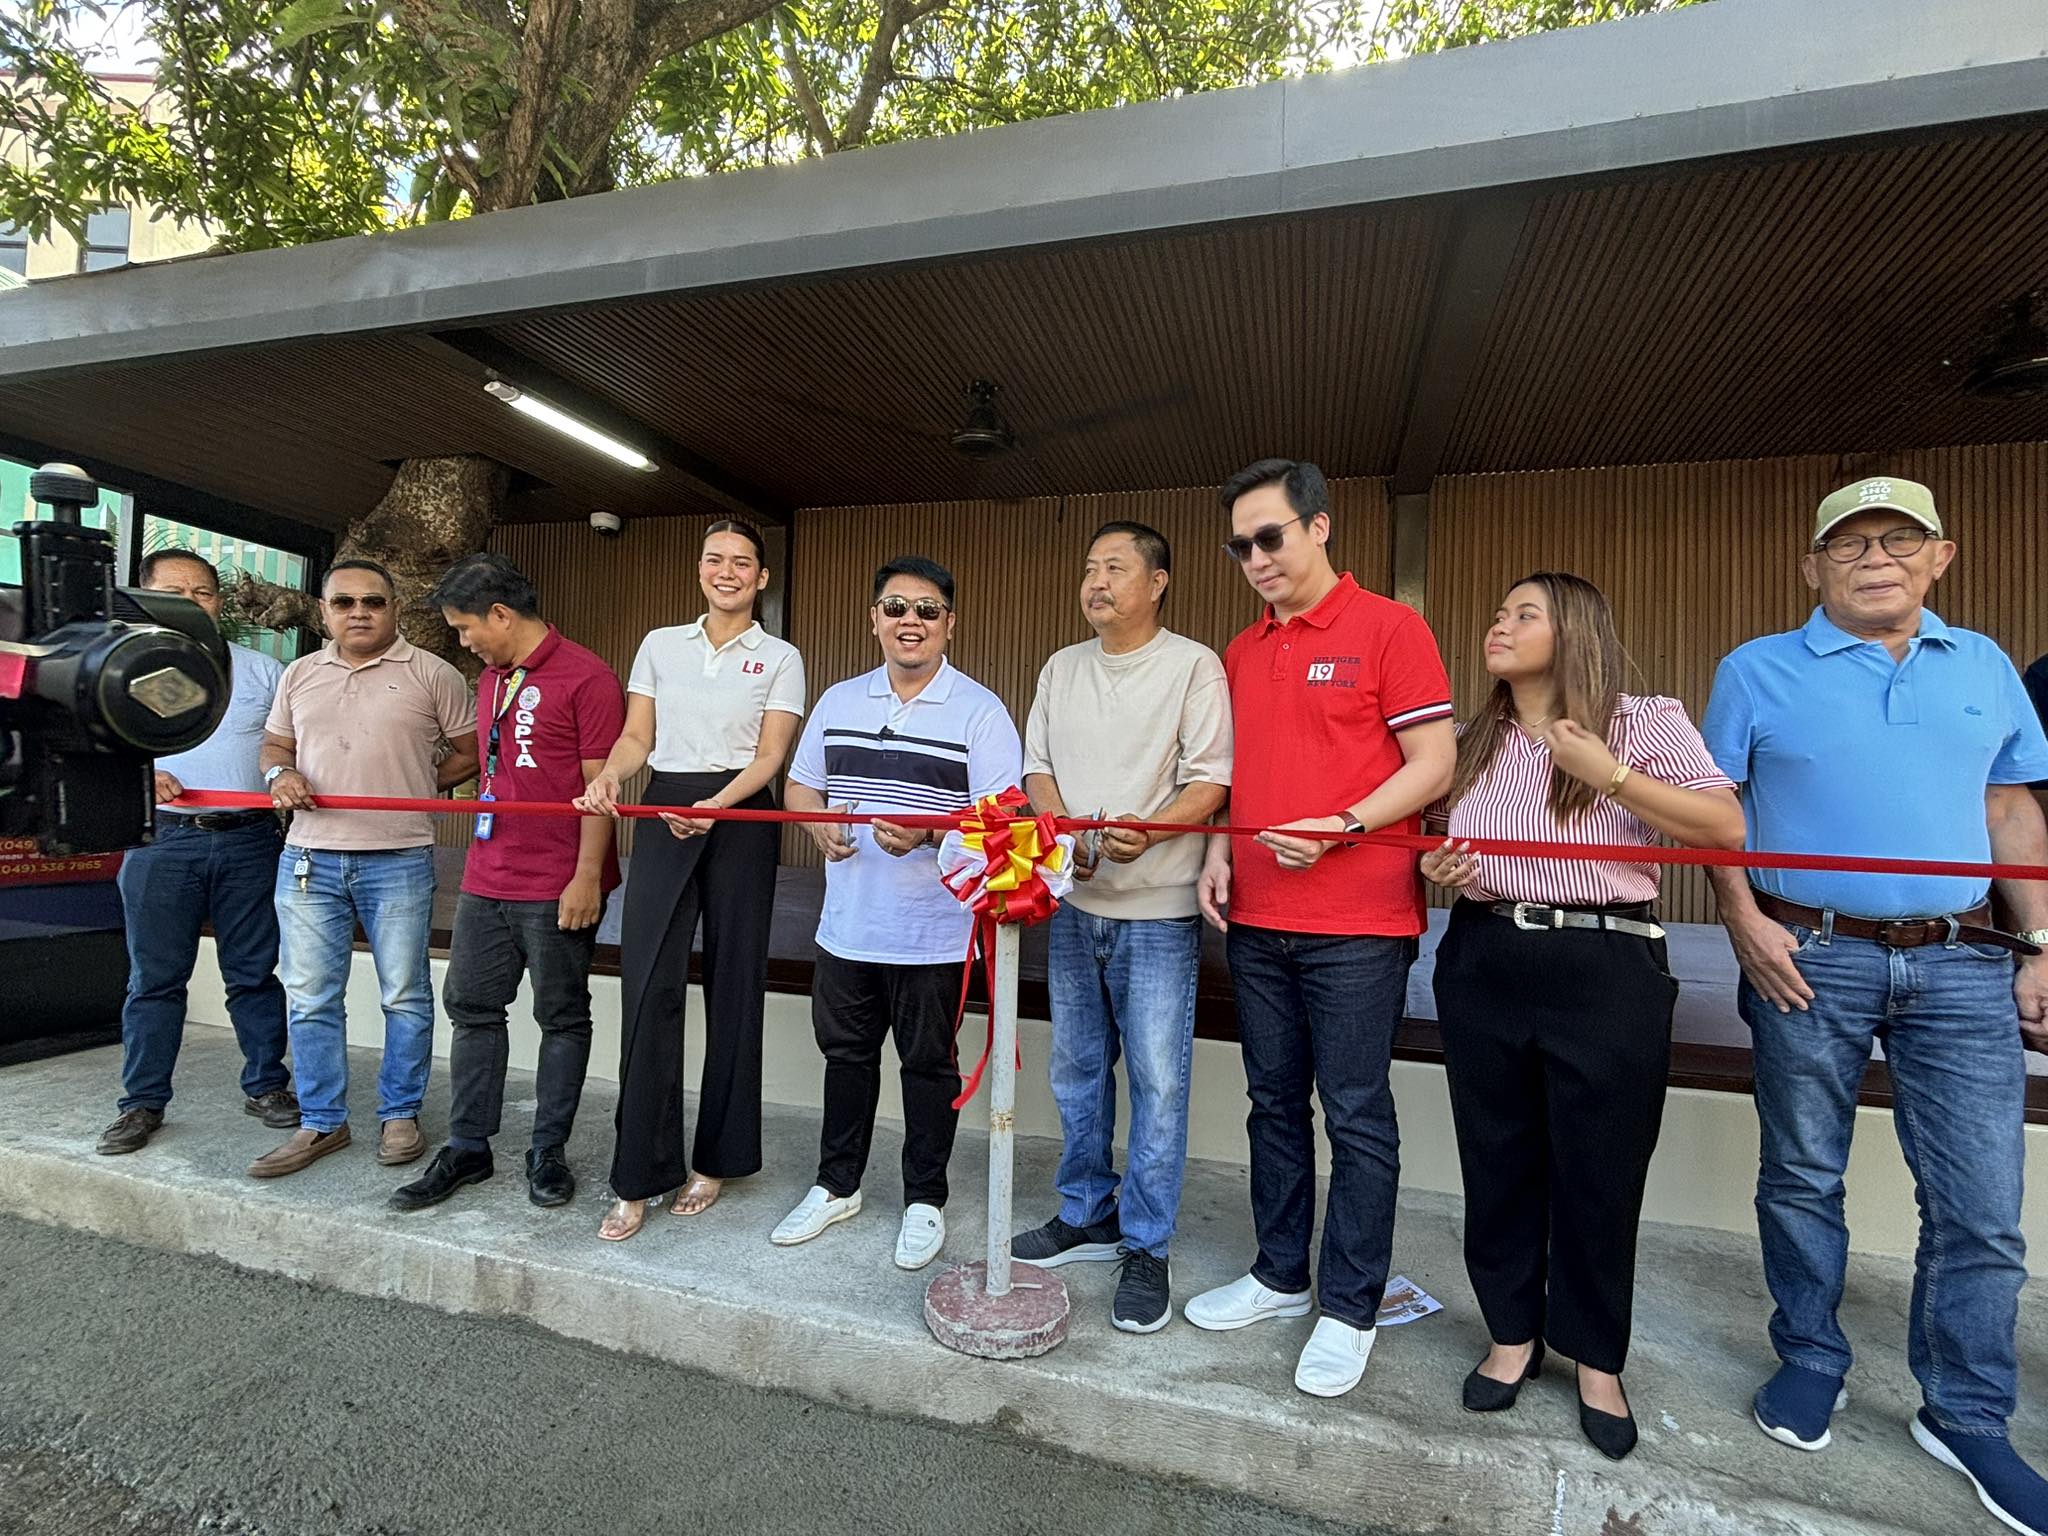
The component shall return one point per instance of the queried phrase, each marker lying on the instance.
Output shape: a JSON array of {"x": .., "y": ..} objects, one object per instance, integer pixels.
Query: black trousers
[
  {"x": 1557, "y": 1045},
  {"x": 726, "y": 877},
  {"x": 494, "y": 943},
  {"x": 854, "y": 1006}
]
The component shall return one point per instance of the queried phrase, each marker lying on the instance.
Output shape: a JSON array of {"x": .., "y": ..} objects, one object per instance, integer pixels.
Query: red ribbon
[
  {"x": 1619, "y": 853},
  {"x": 992, "y": 824}
]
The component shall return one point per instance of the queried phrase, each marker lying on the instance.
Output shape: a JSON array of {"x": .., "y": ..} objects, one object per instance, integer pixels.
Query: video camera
[{"x": 96, "y": 681}]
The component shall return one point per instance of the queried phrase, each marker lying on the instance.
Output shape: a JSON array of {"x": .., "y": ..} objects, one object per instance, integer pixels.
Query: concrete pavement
[{"x": 834, "y": 1320}]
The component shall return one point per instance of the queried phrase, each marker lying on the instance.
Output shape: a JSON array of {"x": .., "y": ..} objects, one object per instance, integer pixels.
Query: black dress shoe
[
  {"x": 1613, "y": 1435},
  {"x": 548, "y": 1179},
  {"x": 1483, "y": 1394},
  {"x": 451, "y": 1168}
]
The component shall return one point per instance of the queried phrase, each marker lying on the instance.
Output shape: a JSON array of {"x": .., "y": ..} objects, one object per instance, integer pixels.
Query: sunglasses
[
  {"x": 373, "y": 602},
  {"x": 1268, "y": 539},
  {"x": 926, "y": 608}
]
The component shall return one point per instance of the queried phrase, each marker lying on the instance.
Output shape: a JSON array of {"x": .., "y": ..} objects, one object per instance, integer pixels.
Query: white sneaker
[
  {"x": 1242, "y": 1303},
  {"x": 814, "y": 1213},
  {"x": 922, "y": 1236},
  {"x": 1334, "y": 1358}
]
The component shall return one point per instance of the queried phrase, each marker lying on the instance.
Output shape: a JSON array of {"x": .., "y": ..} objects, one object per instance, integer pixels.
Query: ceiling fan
[
  {"x": 2010, "y": 362},
  {"x": 985, "y": 431}
]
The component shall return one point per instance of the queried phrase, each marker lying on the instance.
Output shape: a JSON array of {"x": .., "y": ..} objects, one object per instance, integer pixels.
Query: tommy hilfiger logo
[{"x": 1333, "y": 672}]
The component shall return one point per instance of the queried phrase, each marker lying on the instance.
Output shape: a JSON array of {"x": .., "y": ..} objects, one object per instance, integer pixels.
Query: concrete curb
[{"x": 1341, "y": 1466}]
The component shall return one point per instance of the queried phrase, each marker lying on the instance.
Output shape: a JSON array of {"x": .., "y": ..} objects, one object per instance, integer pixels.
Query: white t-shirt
[
  {"x": 227, "y": 758},
  {"x": 708, "y": 700},
  {"x": 940, "y": 752}
]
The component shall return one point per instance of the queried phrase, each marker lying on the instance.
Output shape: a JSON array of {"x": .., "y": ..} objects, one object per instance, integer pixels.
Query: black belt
[
  {"x": 1535, "y": 917},
  {"x": 220, "y": 821},
  {"x": 1948, "y": 929}
]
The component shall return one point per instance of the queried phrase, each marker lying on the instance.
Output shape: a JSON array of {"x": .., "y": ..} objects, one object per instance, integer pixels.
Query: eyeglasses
[
  {"x": 926, "y": 608},
  {"x": 344, "y": 602},
  {"x": 1899, "y": 543},
  {"x": 1269, "y": 539}
]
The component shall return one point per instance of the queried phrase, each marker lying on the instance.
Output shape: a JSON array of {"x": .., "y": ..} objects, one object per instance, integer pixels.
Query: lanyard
[{"x": 510, "y": 687}]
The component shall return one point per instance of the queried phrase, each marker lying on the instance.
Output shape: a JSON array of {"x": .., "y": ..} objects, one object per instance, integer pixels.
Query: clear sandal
[
  {"x": 618, "y": 1214},
  {"x": 693, "y": 1191}
]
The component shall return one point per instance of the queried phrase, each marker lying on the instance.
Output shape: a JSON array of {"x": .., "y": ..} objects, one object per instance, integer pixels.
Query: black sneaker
[
  {"x": 1143, "y": 1296},
  {"x": 1056, "y": 1243},
  {"x": 451, "y": 1168},
  {"x": 278, "y": 1109},
  {"x": 130, "y": 1131},
  {"x": 548, "y": 1179}
]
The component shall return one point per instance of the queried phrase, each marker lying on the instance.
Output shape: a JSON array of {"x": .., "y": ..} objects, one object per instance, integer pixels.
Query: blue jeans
[
  {"x": 391, "y": 893},
  {"x": 1317, "y": 1013},
  {"x": 168, "y": 890},
  {"x": 1123, "y": 985},
  {"x": 1951, "y": 1037}
]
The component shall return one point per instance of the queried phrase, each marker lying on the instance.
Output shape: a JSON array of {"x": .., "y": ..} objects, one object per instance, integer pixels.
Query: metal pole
[{"x": 1002, "y": 1106}]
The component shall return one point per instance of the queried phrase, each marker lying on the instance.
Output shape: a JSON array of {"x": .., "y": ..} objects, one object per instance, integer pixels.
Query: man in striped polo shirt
[
  {"x": 1343, "y": 721},
  {"x": 914, "y": 737}
]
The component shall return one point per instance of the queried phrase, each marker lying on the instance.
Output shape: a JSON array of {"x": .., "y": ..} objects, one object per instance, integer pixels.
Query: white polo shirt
[
  {"x": 708, "y": 700},
  {"x": 940, "y": 752}
]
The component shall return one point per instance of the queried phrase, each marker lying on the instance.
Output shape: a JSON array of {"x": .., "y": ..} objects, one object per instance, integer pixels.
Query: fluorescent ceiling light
[{"x": 554, "y": 416}]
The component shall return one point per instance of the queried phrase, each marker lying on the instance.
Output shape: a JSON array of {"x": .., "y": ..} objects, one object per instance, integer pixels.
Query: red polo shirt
[
  {"x": 1318, "y": 702},
  {"x": 567, "y": 707}
]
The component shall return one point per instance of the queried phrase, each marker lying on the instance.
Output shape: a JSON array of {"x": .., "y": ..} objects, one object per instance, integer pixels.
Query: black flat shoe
[
  {"x": 1483, "y": 1394},
  {"x": 1612, "y": 1435},
  {"x": 548, "y": 1179},
  {"x": 451, "y": 1168}
]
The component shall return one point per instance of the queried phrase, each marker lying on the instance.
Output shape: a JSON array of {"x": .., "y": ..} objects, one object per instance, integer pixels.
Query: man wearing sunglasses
[
  {"x": 1343, "y": 724},
  {"x": 912, "y": 737},
  {"x": 367, "y": 714},
  {"x": 1877, "y": 729}
]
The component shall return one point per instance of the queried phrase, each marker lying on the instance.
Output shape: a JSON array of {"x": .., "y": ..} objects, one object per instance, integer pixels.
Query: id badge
[{"x": 486, "y": 821}]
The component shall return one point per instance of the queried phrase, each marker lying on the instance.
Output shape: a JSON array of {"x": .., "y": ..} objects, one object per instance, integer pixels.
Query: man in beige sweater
[{"x": 1135, "y": 722}]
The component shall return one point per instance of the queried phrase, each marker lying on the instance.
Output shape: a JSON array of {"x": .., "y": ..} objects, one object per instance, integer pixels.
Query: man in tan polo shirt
[{"x": 367, "y": 714}]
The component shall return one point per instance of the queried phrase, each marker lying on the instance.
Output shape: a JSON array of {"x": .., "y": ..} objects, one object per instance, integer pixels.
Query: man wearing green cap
[{"x": 1879, "y": 730}]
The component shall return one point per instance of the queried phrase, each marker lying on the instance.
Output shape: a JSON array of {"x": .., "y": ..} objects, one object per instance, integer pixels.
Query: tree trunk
[{"x": 437, "y": 511}]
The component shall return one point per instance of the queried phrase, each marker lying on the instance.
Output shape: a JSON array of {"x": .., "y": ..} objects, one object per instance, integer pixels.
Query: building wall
[{"x": 149, "y": 238}]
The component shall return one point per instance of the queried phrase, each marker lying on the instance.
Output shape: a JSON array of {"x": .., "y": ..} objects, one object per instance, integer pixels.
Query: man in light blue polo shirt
[
  {"x": 1879, "y": 730},
  {"x": 218, "y": 865}
]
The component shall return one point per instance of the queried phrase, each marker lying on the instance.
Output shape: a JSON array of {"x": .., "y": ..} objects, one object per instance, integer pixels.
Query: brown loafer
[
  {"x": 306, "y": 1146},
  {"x": 130, "y": 1131},
  {"x": 400, "y": 1142}
]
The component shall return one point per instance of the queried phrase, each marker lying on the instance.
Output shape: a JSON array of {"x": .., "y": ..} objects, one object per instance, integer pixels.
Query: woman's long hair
[{"x": 1587, "y": 665}]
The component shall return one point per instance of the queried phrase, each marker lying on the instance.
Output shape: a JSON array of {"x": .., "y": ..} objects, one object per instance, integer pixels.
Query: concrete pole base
[{"x": 1029, "y": 1321}]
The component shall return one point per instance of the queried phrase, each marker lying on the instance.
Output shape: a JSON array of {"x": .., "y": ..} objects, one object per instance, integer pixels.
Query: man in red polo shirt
[
  {"x": 1343, "y": 719},
  {"x": 534, "y": 887}
]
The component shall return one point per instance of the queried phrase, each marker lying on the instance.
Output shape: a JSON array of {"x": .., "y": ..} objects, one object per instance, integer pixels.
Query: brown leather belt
[{"x": 1895, "y": 932}]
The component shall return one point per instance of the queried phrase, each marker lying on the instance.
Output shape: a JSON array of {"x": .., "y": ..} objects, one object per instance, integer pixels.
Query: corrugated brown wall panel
[
  {"x": 1018, "y": 568},
  {"x": 1698, "y": 558}
]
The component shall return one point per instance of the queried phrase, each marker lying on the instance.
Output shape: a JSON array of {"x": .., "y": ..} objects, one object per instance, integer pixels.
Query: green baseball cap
[{"x": 1879, "y": 492}]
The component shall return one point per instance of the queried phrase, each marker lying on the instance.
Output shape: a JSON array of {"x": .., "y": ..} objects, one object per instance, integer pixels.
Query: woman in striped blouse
[{"x": 1552, "y": 988}]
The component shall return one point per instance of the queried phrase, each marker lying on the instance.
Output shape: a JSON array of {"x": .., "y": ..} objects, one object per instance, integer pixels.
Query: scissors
[{"x": 1089, "y": 844}]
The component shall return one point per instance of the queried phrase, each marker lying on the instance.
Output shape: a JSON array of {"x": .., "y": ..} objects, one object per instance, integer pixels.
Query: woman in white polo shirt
[
  {"x": 1552, "y": 987},
  {"x": 713, "y": 708}
]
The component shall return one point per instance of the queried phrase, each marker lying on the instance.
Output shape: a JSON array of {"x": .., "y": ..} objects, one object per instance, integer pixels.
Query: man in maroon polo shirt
[
  {"x": 534, "y": 887},
  {"x": 1343, "y": 720}
]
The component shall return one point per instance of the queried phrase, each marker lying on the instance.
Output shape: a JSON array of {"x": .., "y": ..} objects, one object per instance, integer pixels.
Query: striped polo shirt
[
  {"x": 930, "y": 755},
  {"x": 1511, "y": 799}
]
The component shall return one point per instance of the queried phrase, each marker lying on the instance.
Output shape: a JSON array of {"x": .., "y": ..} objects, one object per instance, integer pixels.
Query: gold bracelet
[{"x": 1614, "y": 784}]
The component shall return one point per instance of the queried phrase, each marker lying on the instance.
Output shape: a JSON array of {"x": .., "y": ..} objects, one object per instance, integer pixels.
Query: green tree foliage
[{"x": 282, "y": 121}]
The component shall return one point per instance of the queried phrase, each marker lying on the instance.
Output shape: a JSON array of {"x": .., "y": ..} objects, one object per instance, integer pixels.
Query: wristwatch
[
  {"x": 1351, "y": 822},
  {"x": 270, "y": 774},
  {"x": 2038, "y": 937}
]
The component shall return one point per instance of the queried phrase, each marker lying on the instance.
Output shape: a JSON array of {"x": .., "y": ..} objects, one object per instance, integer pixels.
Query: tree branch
[
  {"x": 896, "y": 15},
  {"x": 799, "y": 77}
]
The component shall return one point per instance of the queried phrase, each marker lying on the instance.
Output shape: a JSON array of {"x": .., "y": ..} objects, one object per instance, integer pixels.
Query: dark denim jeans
[
  {"x": 494, "y": 944},
  {"x": 168, "y": 890},
  {"x": 1123, "y": 986},
  {"x": 1951, "y": 1037},
  {"x": 1317, "y": 1013}
]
